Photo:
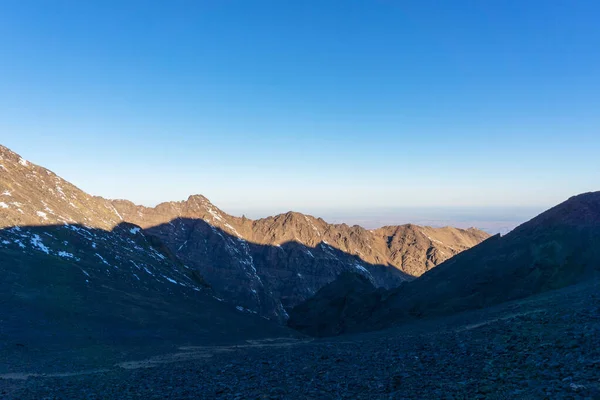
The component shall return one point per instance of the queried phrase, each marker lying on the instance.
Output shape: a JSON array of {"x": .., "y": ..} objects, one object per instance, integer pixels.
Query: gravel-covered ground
[{"x": 543, "y": 347}]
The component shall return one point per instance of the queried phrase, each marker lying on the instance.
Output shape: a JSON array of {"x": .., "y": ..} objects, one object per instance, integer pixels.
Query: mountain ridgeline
[{"x": 263, "y": 267}]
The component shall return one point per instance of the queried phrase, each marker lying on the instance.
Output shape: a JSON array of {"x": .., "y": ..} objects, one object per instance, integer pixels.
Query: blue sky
[{"x": 266, "y": 106}]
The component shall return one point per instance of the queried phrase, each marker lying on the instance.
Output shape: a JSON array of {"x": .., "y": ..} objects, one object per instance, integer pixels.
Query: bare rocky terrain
[
  {"x": 265, "y": 266},
  {"x": 103, "y": 299},
  {"x": 543, "y": 347}
]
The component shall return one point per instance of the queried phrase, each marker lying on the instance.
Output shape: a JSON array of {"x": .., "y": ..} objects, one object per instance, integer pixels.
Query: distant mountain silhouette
[{"x": 558, "y": 248}]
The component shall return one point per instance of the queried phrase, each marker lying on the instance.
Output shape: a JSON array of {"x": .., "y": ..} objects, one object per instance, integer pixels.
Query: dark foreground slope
[
  {"x": 544, "y": 347},
  {"x": 79, "y": 283},
  {"x": 93, "y": 296},
  {"x": 558, "y": 248}
]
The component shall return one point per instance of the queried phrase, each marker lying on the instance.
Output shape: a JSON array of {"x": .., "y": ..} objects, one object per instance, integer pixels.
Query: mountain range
[
  {"x": 264, "y": 266},
  {"x": 103, "y": 298}
]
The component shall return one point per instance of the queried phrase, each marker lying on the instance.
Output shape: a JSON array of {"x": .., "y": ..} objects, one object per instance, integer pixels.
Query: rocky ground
[{"x": 543, "y": 347}]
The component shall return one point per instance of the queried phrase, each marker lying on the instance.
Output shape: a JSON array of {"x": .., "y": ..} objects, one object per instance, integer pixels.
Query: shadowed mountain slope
[
  {"x": 558, "y": 248},
  {"x": 275, "y": 263},
  {"x": 267, "y": 265},
  {"x": 337, "y": 306},
  {"x": 76, "y": 288},
  {"x": 263, "y": 277}
]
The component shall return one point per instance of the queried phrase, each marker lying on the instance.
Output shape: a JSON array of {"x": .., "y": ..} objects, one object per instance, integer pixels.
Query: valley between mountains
[{"x": 105, "y": 299}]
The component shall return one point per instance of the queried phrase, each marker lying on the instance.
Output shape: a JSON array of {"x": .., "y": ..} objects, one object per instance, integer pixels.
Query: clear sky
[{"x": 307, "y": 105}]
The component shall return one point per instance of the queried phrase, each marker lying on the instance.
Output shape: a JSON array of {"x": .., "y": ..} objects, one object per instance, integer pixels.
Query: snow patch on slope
[{"x": 36, "y": 241}]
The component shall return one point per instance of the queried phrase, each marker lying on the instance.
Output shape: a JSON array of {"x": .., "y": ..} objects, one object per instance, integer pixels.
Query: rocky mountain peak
[
  {"x": 198, "y": 199},
  {"x": 31, "y": 195},
  {"x": 581, "y": 210}
]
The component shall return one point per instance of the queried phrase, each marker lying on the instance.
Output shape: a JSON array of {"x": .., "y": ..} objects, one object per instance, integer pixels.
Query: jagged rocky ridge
[
  {"x": 558, "y": 248},
  {"x": 262, "y": 266}
]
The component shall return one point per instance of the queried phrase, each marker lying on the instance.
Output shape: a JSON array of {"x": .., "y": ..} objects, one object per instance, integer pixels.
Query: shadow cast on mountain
[
  {"x": 72, "y": 283},
  {"x": 71, "y": 286},
  {"x": 265, "y": 278}
]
